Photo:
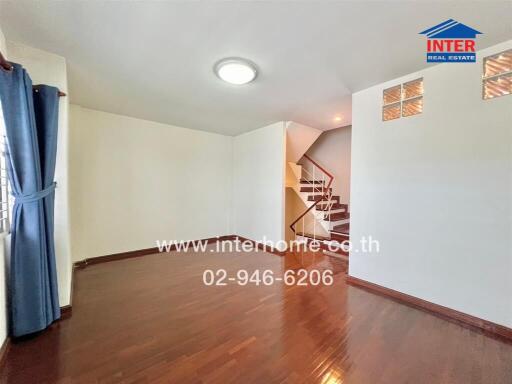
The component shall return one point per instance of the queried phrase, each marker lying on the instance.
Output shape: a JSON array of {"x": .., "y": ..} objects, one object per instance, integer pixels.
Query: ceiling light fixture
[
  {"x": 235, "y": 70},
  {"x": 337, "y": 118}
]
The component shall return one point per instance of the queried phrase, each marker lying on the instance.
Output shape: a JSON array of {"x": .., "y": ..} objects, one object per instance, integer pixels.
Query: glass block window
[
  {"x": 403, "y": 100},
  {"x": 391, "y": 112},
  {"x": 392, "y": 95},
  {"x": 412, "y": 107},
  {"x": 413, "y": 89},
  {"x": 497, "y": 77}
]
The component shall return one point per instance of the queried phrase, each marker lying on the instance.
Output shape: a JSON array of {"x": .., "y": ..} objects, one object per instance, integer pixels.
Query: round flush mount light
[{"x": 235, "y": 70}]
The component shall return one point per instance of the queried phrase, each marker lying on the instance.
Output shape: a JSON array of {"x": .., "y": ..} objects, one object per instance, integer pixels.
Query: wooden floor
[{"x": 151, "y": 320}]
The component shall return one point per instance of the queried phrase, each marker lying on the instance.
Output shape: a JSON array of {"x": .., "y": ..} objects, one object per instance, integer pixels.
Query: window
[
  {"x": 392, "y": 98},
  {"x": 497, "y": 77},
  {"x": 5, "y": 198},
  {"x": 403, "y": 100}
]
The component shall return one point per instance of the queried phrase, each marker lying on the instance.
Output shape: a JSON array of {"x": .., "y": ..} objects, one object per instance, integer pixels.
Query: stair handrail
[
  {"x": 322, "y": 196},
  {"x": 319, "y": 166}
]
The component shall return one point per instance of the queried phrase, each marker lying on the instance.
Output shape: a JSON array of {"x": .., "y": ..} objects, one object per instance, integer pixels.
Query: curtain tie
[{"x": 35, "y": 196}]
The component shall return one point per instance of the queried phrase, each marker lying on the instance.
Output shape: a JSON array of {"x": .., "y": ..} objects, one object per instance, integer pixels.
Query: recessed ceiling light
[
  {"x": 235, "y": 70},
  {"x": 337, "y": 118}
]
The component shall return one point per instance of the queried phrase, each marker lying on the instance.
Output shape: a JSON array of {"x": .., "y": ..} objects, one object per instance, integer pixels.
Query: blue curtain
[{"x": 31, "y": 120}]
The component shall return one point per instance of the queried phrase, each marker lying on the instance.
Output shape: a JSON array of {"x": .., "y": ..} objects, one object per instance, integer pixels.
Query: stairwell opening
[{"x": 317, "y": 199}]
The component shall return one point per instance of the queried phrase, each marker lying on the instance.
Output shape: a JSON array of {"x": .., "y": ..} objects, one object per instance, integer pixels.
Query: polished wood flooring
[{"x": 151, "y": 320}]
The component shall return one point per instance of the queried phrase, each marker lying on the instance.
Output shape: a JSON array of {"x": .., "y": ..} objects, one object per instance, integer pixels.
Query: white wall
[
  {"x": 136, "y": 181},
  {"x": 298, "y": 139},
  {"x": 436, "y": 190},
  {"x": 259, "y": 183},
  {"x": 50, "y": 69},
  {"x": 332, "y": 151}
]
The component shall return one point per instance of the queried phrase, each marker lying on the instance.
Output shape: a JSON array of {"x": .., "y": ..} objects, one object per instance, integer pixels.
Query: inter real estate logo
[{"x": 451, "y": 42}]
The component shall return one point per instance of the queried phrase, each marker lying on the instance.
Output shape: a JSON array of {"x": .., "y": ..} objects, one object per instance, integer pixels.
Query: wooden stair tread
[
  {"x": 337, "y": 216},
  {"x": 342, "y": 228},
  {"x": 313, "y": 198},
  {"x": 315, "y": 189},
  {"x": 311, "y": 236},
  {"x": 304, "y": 181},
  {"x": 333, "y": 237},
  {"x": 324, "y": 207},
  {"x": 339, "y": 237},
  {"x": 325, "y": 247}
]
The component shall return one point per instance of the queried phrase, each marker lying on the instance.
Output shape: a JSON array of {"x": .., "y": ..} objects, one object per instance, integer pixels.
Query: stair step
[
  {"x": 343, "y": 229},
  {"x": 337, "y": 216},
  {"x": 325, "y": 207},
  {"x": 333, "y": 211},
  {"x": 333, "y": 237},
  {"x": 315, "y": 189},
  {"x": 323, "y": 244},
  {"x": 304, "y": 181},
  {"x": 339, "y": 237},
  {"x": 342, "y": 256},
  {"x": 311, "y": 236},
  {"x": 318, "y": 197}
]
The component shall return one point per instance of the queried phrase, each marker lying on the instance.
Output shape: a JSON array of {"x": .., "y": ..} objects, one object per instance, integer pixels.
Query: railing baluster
[
  {"x": 304, "y": 238},
  {"x": 325, "y": 197},
  {"x": 314, "y": 194},
  {"x": 323, "y": 182}
]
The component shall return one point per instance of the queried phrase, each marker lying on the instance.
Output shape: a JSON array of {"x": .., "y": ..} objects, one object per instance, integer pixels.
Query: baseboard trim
[
  {"x": 151, "y": 251},
  {"x": 141, "y": 252},
  {"x": 4, "y": 349},
  {"x": 65, "y": 311},
  {"x": 115, "y": 257},
  {"x": 483, "y": 326}
]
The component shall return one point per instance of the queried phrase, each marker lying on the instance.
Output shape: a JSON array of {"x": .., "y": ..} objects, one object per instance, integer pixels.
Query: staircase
[{"x": 326, "y": 220}]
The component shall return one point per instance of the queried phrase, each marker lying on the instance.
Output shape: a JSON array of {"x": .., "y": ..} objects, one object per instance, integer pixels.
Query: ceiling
[{"x": 153, "y": 60}]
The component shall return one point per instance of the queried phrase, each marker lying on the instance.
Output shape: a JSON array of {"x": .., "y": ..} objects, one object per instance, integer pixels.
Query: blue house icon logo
[{"x": 451, "y": 42}]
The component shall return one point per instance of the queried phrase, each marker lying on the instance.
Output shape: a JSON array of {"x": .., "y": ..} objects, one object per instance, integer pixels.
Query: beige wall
[
  {"x": 332, "y": 151},
  {"x": 135, "y": 182},
  {"x": 293, "y": 208},
  {"x": 298, "y": 139},
  {"x": 259, "y": 183}
]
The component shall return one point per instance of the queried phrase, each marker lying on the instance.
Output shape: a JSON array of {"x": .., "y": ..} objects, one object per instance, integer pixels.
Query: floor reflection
[
  {"x": 316, "y": 340},
  {"x": 153, "y": 320}
]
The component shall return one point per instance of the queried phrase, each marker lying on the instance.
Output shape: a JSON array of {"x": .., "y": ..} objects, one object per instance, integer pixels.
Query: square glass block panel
[
  {"x": 413, "y": 88},
  {"x": 498, "y": 64},
  {"x": 497, "y": 86},
  {"x": 390, "y": 112},
  {"x": 392, "y": 95},
  {"x": 412, "y": 107}
]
